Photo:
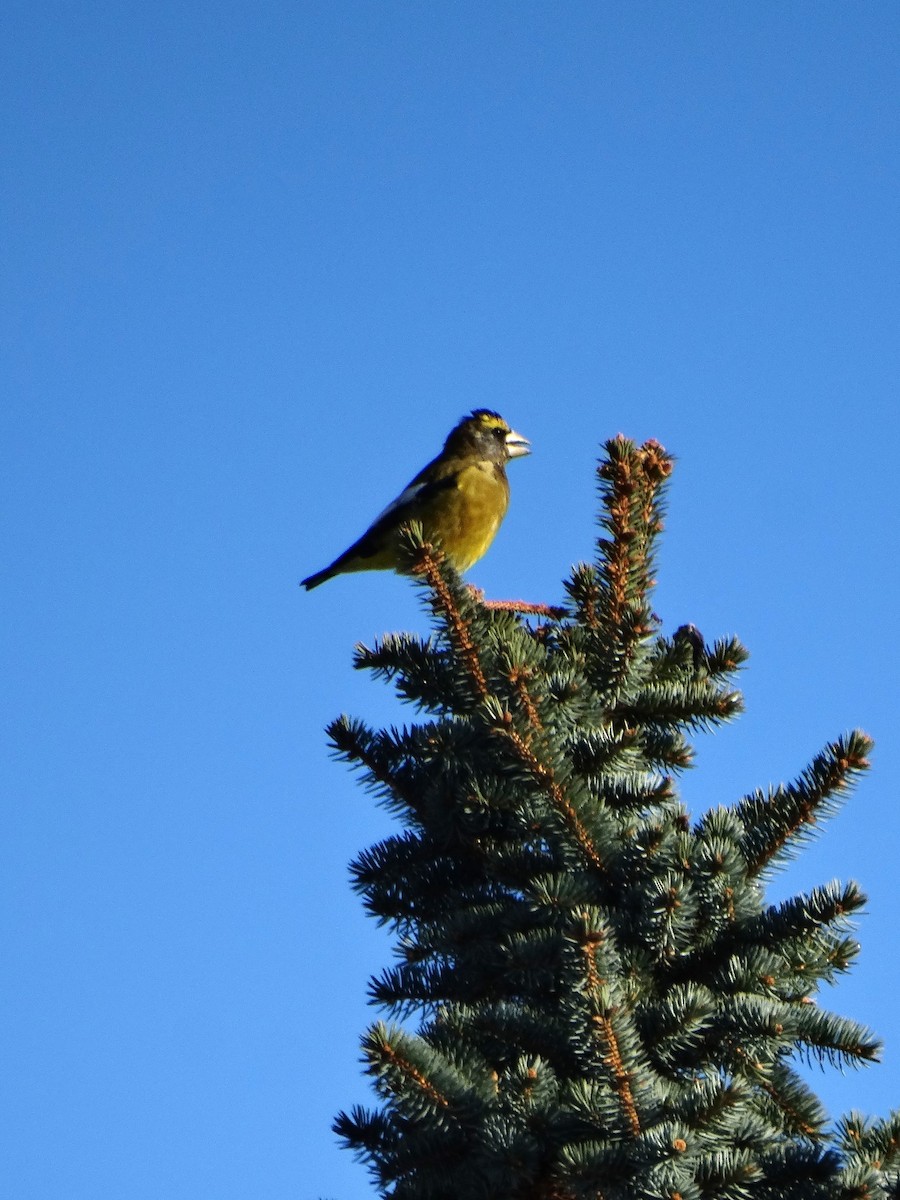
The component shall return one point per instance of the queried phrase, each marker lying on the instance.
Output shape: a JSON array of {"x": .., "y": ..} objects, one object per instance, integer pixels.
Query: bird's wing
[
  {"x": 406, "y": 507},
  {"x": 413, "y": 496}
]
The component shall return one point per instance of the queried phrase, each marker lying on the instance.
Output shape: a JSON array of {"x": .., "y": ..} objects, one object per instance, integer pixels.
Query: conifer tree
[{"x": 592, "y": 997}]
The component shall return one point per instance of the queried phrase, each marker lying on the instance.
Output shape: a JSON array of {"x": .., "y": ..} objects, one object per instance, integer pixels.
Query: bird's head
[{"x": 487, "y": 435}]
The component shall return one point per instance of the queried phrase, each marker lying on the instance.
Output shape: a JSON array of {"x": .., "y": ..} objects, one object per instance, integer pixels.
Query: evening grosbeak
[{"x": 460, "y": 498}]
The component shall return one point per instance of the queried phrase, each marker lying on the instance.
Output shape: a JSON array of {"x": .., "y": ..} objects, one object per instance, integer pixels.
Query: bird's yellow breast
[{"x": 465, "y": 519}]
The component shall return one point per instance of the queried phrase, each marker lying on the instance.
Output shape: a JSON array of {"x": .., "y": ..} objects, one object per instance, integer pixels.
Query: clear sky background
[{"x": 257, "y": 259}]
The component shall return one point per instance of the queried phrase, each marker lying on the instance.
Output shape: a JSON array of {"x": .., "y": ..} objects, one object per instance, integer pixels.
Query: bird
[{"x": 460, "y": 498}]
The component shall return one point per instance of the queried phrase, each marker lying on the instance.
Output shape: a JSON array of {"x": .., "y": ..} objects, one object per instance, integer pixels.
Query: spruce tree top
[{"x": 597, "y": 1001}]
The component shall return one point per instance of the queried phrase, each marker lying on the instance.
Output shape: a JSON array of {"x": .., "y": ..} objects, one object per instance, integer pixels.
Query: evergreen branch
[
  {"x": 786, "y": 939},
  {"x": 836, "y": 1039},
  {"x": 772, "y": 821},
  {"x": 388, "y": 1052},
  {"x": 630, "y": 482},
  {"x": 657, "y": 467},
  {"x": 798, "y": 1171},
  {"x": 427, "y": 563},
  {"x": 671, "y": 911},
  {"x": 674, "y": 1029},
  {"x": 614, "y": 656},
  {"x": 371, "y": 1135},
  {"x": 504, "y": 1028},
  {"x": 526, "y": 607},
  {"x": 355, "y": 742},
  {"x": 806, "y": 913},
  {"x": 614, "y": 762},
  {"x": 410, "y": 985},
  {"x": 640, "y": 791},
  {"x": 686, "y": 655},
  {"x": 726, "y": 657},
  {"x": 786, "y": 1099},
  {"x": 544, "y": 777},
  {"x": 584, "y": 589},
  {"x": 698, "y": 705},
  {"x": 611, "y": 599},
  {"x": 621, "y": 1077},
  {"x": 875, "y": 1143},
  {"x": 783, "y": 1098},
  {"x": 413, "y": 878},
  {"x": 667, "y": 749},
  {"x": 518, "y": 677},
  {"x": 421, "y": 671},
  {"x": 607, "y": 751},
  {"x": 599, "y": 957}
]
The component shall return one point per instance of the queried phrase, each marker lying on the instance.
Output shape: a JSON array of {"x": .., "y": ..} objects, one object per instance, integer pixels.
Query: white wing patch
[{"x": 406, "y": 497}]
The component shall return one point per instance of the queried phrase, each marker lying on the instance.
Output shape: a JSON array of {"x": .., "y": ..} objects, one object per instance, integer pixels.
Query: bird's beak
[{"x": 516, "y": 445}]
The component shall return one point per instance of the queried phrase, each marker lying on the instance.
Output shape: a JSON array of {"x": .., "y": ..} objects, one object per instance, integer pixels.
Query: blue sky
[{"x": 257, "y": 260}]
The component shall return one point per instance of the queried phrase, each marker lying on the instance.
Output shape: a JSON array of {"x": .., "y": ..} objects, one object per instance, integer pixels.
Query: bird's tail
[{"x": 312, "y": 581}]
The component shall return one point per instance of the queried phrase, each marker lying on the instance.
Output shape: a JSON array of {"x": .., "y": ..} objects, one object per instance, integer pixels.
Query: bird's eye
[{"x": 499, "y": 433}]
